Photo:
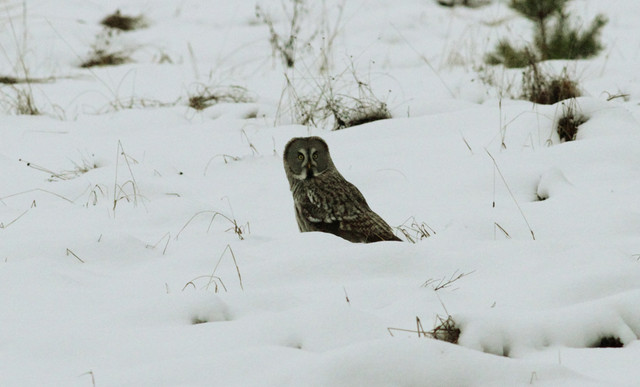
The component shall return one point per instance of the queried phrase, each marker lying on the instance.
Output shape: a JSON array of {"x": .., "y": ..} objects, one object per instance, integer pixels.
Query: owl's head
[{"x": 306, "y": 157}]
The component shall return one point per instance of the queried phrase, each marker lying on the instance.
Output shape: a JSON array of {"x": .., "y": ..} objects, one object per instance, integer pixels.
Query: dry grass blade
[
  {"x": 3, "y": 226},
  {"x": 79, "y": 169},
  {"x": 444, "y": 330},
  {"x": 93, "y": 194},
  {"x": 235, "y": 263},
  {"x": 239, "y": 230},
  {"x": 533, "y": 236},
  {"x": 499, "y": 227},
  {"x": 213, "y": 278},
  {"x": 37, "y": 190},
  {"x": 119, "y": 191},
  {"x": 425, "y": 60},
  {"x": 414, "y": 231},
  {"x": 167, "y": 236},
  {"x": 445, "y": 282},
  {"x": 93, "y": 378},
  {"x": 225, "y": 158},
  {"x": 69, "y": 252}
]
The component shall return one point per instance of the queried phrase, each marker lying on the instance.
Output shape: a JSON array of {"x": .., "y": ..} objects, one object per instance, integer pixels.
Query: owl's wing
[{"x": 338, "y": 207}]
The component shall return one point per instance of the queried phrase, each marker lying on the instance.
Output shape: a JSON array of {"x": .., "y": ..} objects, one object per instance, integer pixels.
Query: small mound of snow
[{"x": 552, "y": 183}]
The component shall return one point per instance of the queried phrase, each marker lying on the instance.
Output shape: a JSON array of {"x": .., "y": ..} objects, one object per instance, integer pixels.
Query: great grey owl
[{"x": 324, "y": 200}]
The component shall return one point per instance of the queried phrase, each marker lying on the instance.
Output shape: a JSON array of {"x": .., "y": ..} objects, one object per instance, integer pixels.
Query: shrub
[
  {"x": 509, "y": 56},
  {"x": 554, "y": 37},
  {"x": 569, "y": 43}
]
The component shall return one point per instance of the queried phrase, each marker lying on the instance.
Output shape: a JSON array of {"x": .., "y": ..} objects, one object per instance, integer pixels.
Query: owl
[{"x": 324, "y": 200}]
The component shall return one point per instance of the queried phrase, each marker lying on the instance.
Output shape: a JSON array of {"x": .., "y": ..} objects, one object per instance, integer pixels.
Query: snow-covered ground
[{"x": 143, "y": 242}]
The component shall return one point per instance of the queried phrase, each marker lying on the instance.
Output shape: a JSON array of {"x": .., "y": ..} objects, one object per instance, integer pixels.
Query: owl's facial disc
[{"x": 306, "y": 158}]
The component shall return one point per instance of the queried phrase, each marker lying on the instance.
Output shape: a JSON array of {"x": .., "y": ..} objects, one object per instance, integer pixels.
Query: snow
[{"x": 173, "y": 257}]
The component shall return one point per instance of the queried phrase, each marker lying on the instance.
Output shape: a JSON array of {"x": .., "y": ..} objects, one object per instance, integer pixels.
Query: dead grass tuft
[
  {"x": 363, "y": 111},
  {"x": 24, "y": 103},
  {"x": 337, "y": 102},
  {"x": 104, "y": 51},
  {"x": 124, "y": 22},
  {"x": 444, "y": 330},
  {"x": 570, "y": 121},
  {"x": 414, "y": 231},
  {"x": 105, "y": 59},
  {"x": 206, "y": 96},
  {"x": 542, "y": 88},
  {"x": 609, "y": 342}
]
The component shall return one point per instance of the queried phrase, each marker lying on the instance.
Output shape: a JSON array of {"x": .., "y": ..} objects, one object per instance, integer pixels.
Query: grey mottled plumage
[{"x": 324, "y": 200}]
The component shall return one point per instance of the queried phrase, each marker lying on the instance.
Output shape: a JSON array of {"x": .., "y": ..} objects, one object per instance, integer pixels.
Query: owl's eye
[
  {"x": 300, "y": 156},
  {"x": 315, "y": 156}
]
